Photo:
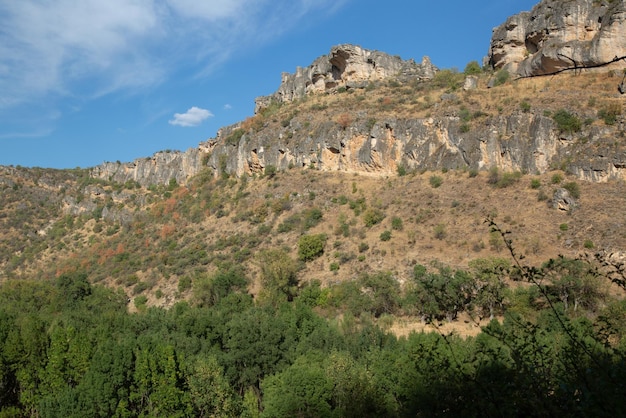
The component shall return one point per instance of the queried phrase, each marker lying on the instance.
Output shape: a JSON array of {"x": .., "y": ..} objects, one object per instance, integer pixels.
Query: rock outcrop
[
  {"x": 520, "y": 142},
  {"x": 348, "y": 66},
  {"x": 161, "y": 168},
  {"x": 557, "y": 35}
]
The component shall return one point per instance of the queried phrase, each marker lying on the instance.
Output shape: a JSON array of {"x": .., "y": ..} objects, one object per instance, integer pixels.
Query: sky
[{"x": 83, "y": 82}]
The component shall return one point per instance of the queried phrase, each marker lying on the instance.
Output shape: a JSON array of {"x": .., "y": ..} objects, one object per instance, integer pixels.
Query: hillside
[{"x": 382, "y": 238}]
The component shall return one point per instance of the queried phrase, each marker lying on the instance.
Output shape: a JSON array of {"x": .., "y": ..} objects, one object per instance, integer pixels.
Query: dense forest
[{"x": 557, "y": 348}]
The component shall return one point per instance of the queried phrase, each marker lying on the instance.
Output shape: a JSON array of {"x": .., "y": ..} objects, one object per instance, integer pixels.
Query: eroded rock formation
[
  {"x": 557, "y": 35},
  {"x": 520, "y": 142},
  {"x": 348, "y": 66}
]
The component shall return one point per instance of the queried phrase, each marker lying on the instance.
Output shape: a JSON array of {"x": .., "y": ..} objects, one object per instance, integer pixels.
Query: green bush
[
  {"x": 535, "y": 183},
  {"x": 567, "y": 122},
  {"x": 311, "y": 246},
  {"x": 184, "y": 283},
  {"x": 448, "y": 78},
  {"x": 140, "y": 302},
  {"x": 435, "y": 181},
  {"x": 472, "y": 68},
  {"x": 396, "y": 223},
  {"x": 556, "y": 178},
  {"x": 372, "y": 217},
  {"x": 385, "y": 235}
]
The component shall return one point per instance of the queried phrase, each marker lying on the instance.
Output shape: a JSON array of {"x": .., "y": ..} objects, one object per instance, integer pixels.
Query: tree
[
  {"x": 301, "y": 390},
  {"x": 489, "y": 284},
  {"x": 210, "y": 391},
  {"x": 574, "y": 281},
  {"x": 279, "y": 272},
  {"x": 382, "y": 290},
  {"x": 311, "y": 246},
  {"x": 443, "y": 294}
]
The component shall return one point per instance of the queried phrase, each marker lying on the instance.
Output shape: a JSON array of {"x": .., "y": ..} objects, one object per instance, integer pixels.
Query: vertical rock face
[
  {"x": 161, "y": 168},
  {"x": 557, "y": 35},
  {"x": 519, "y": 142},
  {"x": 346, "y": 66}
]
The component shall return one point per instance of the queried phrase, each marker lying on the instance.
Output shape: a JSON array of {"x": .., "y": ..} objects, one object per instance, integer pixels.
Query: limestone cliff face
[
  {"x": 528, "y": 142},
  {"x": 161, "y": 168},
  {"x": 519, "y": 142},
  {"x": 557, "y": 35},
  {"x": 346, "y": 66}
]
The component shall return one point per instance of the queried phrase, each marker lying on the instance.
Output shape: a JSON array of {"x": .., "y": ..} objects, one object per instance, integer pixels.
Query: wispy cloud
[
  {"x": 193, "y": 117},
  {"x": 92, "y": 48}
]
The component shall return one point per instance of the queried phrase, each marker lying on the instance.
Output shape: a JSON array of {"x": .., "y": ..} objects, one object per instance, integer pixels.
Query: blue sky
[{"x": 82, "y": 82}]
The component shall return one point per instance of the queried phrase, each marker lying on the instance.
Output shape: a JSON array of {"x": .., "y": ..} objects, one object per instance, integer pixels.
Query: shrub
[
  {"x": 344, "y": 120},
  {"x": 566, "y": 122},
  {"x": 401, "y": 169},
  {"x": 184, "y": 283},
  {"x": 270, "y": 171},
  {"x": 472, "y": 173},
  {"x": 140, "y": 302},
  {"x": 440, "y": 231},
  {"x": 435, "y": 181},
  {"x": 573, "y": 189},
  {"x": 508, "y": 179},
  {"x": 609, "y": 113},
  {"x": 235, "y": 137},
  {"x": 502, "y": 77},
  {"x": 588, "y": 244},
  {"x": 448, "y": 78},
  {"x": 334, "y": 266},
  {"x": 385, "y": 235},
  {"x": 556, "y": 178},
  {"x": 311, "y": 246},
  {"x": 524, "y": 106},
  {"x": 372, "y": 217},
  {"x": 535, "y": 183},
  {"x": 494, "y": 175},
  {"x": 472, "y": 68},
  {"x": 563, "y": 227},
  {"x": 311, "y": 217},
  {"x": 396, "y": 223},
  {"x": 363, "y": 247}
]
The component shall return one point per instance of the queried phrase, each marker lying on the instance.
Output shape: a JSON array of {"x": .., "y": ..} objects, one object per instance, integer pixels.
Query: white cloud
[
  {"x": 193, "y": 117},
  {"x": 85, "y": 49},
  {"x": 227, "y": 106}
]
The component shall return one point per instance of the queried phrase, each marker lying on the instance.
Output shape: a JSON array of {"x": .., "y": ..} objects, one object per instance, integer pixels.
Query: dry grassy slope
[
  {"x": 458, "y": 207},
  {"x": 583, "y": 94}
]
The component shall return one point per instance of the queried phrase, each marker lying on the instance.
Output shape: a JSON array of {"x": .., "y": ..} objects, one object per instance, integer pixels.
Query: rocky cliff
[
  {"x": 520, "y": 142},
  {"x": 161, "y": 168},
  {"x": 557, "y": 35},
  {"x": 347, "y": 66}
]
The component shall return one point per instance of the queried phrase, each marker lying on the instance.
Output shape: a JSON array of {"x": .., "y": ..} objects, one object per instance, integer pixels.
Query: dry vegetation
[{"x": 179, "y": 235}]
